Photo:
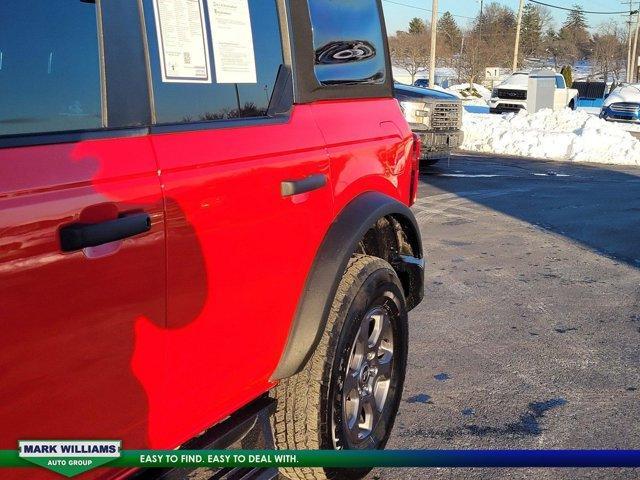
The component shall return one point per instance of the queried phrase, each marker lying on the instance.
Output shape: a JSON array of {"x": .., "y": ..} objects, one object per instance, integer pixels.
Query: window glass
[
  {"x": 204, "y": 97},
  {"x": 49, "y": 66},
  {"x": 560, "y": 82},
  {"x": 347, "y": 38}
]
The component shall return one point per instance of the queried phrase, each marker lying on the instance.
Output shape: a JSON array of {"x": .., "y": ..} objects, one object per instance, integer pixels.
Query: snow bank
[
  {"x": 555, "y": 135},
  {"x": 445, "y": 90},
  {"x": 464, "y": 90}
]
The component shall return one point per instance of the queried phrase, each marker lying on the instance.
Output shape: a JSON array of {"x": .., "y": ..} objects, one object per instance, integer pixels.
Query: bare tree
[
  {"x": 488, "y": 42},
  {"x": 609, "y": 51},
  {"x": 410, "y": 52}
]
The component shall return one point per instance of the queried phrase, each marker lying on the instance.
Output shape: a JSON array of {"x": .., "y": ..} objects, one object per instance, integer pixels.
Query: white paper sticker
[
  {"x": 232, "y": 41},
  {"x": 182, "y": 41}
]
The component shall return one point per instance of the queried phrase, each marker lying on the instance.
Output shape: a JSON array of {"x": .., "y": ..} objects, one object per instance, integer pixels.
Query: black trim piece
[
  {"x": 339, "y": 244},
  {"x": 218, "y": 124},
  {"x": 307, "y": 87},
  {"x": 241, "y": 425},
  {"x": 147, "y": 61},
  {"x": 103, "y": 80},
  {"x": 309, "y": 184},
  {"x": 411, "y": 272},
  {"x": 34, "y": 139},
  {"x": 77, "y": 236},
  {"x": 281, "y": 101},
  {"x": 127, "y": 86}
]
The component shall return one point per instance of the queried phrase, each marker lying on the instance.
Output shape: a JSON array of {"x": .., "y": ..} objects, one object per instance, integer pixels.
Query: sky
[{"x": 398, "y": 16}]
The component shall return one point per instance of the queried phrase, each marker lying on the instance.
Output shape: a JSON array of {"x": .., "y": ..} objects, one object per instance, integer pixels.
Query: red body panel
[
  {"x": 71, "y": 364},
  {"x": 232, "y": 317},
  {"x": 175, "y": 329},
  {"x": 369, "y": 143}
]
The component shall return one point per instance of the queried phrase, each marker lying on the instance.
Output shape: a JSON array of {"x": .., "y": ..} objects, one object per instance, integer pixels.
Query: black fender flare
[{"x": 338, "y": 245}]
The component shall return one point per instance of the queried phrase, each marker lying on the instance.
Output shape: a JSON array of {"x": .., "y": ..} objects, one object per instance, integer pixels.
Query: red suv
[{"x": 202, "y": 203}]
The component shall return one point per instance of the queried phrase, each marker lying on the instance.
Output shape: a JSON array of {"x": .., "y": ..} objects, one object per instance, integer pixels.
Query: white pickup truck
[{"x": 511, "y": 95}]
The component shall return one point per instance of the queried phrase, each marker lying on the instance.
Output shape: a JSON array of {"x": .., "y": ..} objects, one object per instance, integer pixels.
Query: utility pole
[
  {"x": 629, "y": 37},
  {"x": 476, "y": 51},
  {"x": 632, "y": 73},
  {"x": 518, "y": 27},
  {"x": 480, "y": 21},
  {"x": 434, "y": 31}
]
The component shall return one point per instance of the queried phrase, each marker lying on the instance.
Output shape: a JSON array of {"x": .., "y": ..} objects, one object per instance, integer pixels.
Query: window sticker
[
  {"x": 232, "y": 41},
  {"x": 182, "y": 41}
]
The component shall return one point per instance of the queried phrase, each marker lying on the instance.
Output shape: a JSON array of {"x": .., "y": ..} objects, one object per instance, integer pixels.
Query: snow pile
[
  {"x": 445, "y": 90},
  {"x": 555, "y": 135},
  {"x": 471, "y": 95}
]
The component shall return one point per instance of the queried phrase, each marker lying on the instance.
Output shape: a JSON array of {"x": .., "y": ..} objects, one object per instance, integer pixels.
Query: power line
[
  {"x": 423, "y": 9},
  {"x": 568, "y": 9}
]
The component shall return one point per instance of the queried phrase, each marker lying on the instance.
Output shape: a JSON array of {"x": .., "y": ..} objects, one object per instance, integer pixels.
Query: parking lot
[{"x": 529, "y": 332}]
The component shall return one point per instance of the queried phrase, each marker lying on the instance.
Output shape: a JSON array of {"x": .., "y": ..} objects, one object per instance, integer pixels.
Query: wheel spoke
[
  {"x": 384, "y": 370},
  {"x": 373, "y": 412},
  {"x": 384, "y": 346},
  {"x": 379, "y": 317},
  {"x": 352, "y": 411},
  {"x": 363, "y": 334},
  {"x": 350, "y": 382},
  {"x": 380, "y": 392}
]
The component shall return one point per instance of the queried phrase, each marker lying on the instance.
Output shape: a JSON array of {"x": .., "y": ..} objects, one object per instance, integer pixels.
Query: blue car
[{"x": 623, "y": 104}]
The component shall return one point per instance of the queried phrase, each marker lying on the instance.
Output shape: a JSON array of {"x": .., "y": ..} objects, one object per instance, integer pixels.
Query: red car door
[
  {"x": 252, "y": 182},
  {"x": 82, "y": 242}
]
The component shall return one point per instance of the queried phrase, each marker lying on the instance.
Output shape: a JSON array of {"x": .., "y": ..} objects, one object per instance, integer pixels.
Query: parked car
[
  {"x": 433, "y": 115},
  {"x": 622, "y": 104},
  {"x": 422, "y": 83},
  {"x": 185, "y": 236},
  {"x": 511, "y": 95}
]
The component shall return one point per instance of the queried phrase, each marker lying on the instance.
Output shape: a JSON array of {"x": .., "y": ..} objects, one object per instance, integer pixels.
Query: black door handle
[
  {"x": 82, "y": 235},
  {"x": 314, "y": 182}
]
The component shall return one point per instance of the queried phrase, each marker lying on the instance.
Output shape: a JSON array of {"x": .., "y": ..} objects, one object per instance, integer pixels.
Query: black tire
[
  {"x": 572, "y": 104},
  {"x": 311, "y": 412}
]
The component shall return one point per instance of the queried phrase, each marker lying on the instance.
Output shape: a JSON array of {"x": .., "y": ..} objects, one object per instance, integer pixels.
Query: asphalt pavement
[{"x": 529, "y": 333}]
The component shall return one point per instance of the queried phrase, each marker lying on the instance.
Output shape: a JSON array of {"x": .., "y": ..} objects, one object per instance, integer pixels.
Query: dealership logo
[{"x": 69, "y": 457}]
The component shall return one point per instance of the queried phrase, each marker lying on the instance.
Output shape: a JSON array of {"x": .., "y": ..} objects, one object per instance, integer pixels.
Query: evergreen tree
[
  {"x": 567, "y": 73},
  {"x": 575, "y": 36},
  {"x": 576, "y": 19},
  {"x": 417, "y": 26},
  {"x": 450, "y": 33}
]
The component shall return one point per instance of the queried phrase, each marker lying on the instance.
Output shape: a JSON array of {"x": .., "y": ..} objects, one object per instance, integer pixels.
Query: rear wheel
[{"x": 348, "y": 394}]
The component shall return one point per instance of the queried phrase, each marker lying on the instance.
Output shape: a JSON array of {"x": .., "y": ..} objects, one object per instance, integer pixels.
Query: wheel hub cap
[{"x": 368, "y": 375}]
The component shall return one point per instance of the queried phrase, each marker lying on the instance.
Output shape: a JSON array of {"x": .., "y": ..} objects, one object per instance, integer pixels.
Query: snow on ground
[
  {"x": 445, "y": 90},
  {"x": 591, "y": 110},
  {"x": 629, "y": 127},
  {"x": 463, "y": 88},
  {"x": 555, "y": 135},
  {"x": 471, "y": 102}
]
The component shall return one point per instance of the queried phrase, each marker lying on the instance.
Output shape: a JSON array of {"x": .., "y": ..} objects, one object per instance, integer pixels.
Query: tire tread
[{"x": 296, "y": 420}]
